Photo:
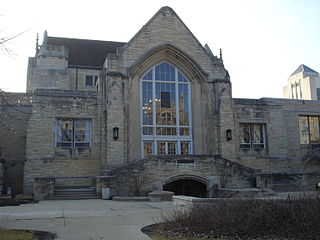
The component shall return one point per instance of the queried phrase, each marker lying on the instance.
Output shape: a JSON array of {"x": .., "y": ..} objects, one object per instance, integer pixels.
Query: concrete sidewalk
[{"x": 85, "y": 219}]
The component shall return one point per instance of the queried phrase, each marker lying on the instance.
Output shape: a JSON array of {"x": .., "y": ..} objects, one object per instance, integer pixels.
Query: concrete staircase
[{"x": 74, "y": 192}]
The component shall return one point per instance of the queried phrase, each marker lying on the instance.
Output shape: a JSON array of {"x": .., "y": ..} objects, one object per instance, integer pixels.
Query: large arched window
[{"x": 165, "y": 111}]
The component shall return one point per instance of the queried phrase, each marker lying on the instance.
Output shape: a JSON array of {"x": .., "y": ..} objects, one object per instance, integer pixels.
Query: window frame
[
  {"x": 154, "y": 137},
  {"x": 309, "y": 141},
  {"x": 95, "y": 79},
  {"x": 252, "y": 145},
  {"x": 73, "y": 142}
]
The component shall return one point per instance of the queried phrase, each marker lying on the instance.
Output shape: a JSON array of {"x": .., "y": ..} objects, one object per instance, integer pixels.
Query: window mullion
[{"x": 154, "y": 120}]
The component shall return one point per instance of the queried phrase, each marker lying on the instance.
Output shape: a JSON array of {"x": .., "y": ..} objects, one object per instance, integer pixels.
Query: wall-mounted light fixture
[
  {"x": 115, "y": 133},
  {"x": 229, "y": 134}
]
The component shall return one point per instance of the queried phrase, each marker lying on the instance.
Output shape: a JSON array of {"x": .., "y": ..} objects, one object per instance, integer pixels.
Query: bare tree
[
  {"x": 312, "y": 155},
  {"x": 4, "y": 40},
  {"x": 135, "y": 177},
  {"x": 223, "y": 169}
]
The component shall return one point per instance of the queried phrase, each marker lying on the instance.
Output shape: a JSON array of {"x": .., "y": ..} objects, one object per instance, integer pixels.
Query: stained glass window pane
[
  {"x": 304, "y": 129},
  {"x": 257, "y": 136},
  {"x": 147, "y": 148},
  {"x": 165, "y": 115},
  {"x": 147, "y": 130},
  {"x": 184, "y": 131},
  {"x": 314, "y": 129},
  {"x": 183, "y": 105},
  {"x": 147, "y": 117},
  {"x": 184, "y": 147},
  {"x": 161, "y": 147},
  {"x": 166, "y": 131},
  {"x": 172, "y": 147}
]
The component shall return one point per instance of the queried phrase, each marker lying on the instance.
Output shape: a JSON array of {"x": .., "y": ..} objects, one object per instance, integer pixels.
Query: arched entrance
[{"x": 187, "y": 187}]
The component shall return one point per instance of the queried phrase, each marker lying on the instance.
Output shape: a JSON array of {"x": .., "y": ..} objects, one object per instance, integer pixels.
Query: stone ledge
[
  {"x": 158, "y": 196},
  {"x": 129, "y": 199},
  {"x": 64, "y": 93}
]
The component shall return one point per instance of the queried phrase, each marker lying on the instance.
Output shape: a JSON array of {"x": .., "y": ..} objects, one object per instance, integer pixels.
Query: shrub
[{"x": 247, "y": 219}]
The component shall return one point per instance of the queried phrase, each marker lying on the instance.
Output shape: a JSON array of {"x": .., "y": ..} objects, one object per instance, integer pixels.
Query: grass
[
  {"x": 243, "y": 219},
  {"x": 6, "y": 234}
]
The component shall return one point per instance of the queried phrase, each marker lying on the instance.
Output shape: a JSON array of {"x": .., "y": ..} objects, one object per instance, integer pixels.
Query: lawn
[{"x": 6, "y": 234}]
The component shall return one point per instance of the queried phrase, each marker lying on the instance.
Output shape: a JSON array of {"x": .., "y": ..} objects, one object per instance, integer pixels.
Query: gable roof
[
  {"x": 86, "y": 53},
  {"x": 303, "y": 68},
  {"x": 162, "y": 10}
]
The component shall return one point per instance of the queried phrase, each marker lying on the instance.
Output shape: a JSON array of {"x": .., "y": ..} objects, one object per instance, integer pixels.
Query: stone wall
[
  {"x": 154, "y": 172},
  {"x": 58, "y": 168},
  {"x": 44, "y": 158},
  {"x": 77, "y": 78},
  {"x": 49, "y": 69},
  {"x": 283, "y": 150}
]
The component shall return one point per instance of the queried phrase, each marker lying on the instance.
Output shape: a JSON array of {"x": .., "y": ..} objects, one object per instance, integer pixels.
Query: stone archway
[{"x": 188, "y": 185}]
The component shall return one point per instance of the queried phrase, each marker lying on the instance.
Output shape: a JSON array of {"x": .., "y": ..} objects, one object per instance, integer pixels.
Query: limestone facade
[
  {"x": 304, "y": 83},
  {"x": 86, "y": 117}
]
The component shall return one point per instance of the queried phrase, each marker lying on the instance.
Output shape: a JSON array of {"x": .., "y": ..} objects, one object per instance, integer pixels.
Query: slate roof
[
  {"x": 86, "y": 53},
  {"x": 303, "y": 68}
]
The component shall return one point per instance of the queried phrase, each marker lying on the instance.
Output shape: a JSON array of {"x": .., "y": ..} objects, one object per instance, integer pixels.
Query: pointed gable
[
  {"x": 303, "y": 68},
  {"x": 165, "y": 27}
]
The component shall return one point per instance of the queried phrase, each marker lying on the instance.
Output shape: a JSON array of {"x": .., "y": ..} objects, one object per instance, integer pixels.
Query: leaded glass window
[
  {"x": 165, "y": 111},
  {"x": 73, "y": 133},
  {"x": 309, "y": 129},
  {"x": 252, "y": 136}
]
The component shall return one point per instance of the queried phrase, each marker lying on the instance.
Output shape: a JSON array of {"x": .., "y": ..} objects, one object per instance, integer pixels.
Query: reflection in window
[
  {"x": 309, "y": 129},
  {"x": 165, "y": 106},
  {"x": 73, "y": 133},
  {"x": 252, "y": 136}
]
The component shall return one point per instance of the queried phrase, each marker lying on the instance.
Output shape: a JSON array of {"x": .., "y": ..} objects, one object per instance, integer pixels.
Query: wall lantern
[
  {"x": 115, "y": 133},
  {"x": 229, "y": 134}
]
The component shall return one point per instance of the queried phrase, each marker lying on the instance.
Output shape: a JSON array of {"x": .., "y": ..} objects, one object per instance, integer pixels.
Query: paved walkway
[{"x": 85, "y": 219}]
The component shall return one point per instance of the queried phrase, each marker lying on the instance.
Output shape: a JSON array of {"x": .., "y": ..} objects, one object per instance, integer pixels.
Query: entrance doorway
[{"x": 187, "y": 187}]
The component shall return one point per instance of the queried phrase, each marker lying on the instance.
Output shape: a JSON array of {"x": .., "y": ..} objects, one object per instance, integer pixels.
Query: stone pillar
[
  {"x": 43, "y": 188},
  {"x": 116, "y": 151},
  {"x": 224, "y": 118}
]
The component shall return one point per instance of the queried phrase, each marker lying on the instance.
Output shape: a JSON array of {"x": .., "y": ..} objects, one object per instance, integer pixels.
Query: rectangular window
[
  {"x": 91, "y": 80},
  {"x": 252, "y": 136},
  {"x": 73, "y": 133},
  {"x": 309, "y": 129}
]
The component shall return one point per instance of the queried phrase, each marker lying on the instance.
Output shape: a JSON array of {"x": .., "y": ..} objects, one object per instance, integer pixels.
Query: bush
[{"x": 247, "y": 219}]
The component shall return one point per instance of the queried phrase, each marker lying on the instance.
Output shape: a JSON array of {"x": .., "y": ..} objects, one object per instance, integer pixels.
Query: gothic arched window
[{"x": 165, "y": 111}]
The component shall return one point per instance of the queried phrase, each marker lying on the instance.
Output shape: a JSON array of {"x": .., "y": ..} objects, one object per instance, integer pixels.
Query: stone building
[
  {"x": 304, "y": 83},
  {"x": 156, "y": 113}
]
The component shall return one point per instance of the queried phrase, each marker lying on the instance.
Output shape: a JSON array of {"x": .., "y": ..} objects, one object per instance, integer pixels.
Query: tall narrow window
[
  {"x": 165, "y": 111},
  {"x": 73, "y": 133}
]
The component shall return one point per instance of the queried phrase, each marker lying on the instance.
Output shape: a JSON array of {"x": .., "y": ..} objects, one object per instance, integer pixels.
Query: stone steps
[
  {"x": 74, "y": 192},
  {"x": 285, "y": 187}
]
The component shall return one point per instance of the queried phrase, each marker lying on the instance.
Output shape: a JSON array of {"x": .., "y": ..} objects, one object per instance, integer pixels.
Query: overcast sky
[{"x": 263, "y": 41}]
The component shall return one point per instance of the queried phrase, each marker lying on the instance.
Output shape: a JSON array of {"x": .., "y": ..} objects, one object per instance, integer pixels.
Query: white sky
[{"x": 263, "y": 41}]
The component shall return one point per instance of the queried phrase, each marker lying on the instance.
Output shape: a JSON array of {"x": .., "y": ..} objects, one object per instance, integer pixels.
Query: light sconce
[
  {"x": 229, "y": 134},
  {"x": 115, "y": 133}
]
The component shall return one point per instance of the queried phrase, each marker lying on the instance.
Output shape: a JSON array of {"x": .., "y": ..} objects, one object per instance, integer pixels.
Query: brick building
[{"x": 163, "y": 103}]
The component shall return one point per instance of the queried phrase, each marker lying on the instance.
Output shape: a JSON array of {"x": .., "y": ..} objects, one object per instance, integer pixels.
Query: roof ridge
[
  {"x": 303, "y": 68},
  {"x": 85, "y": 39}
]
